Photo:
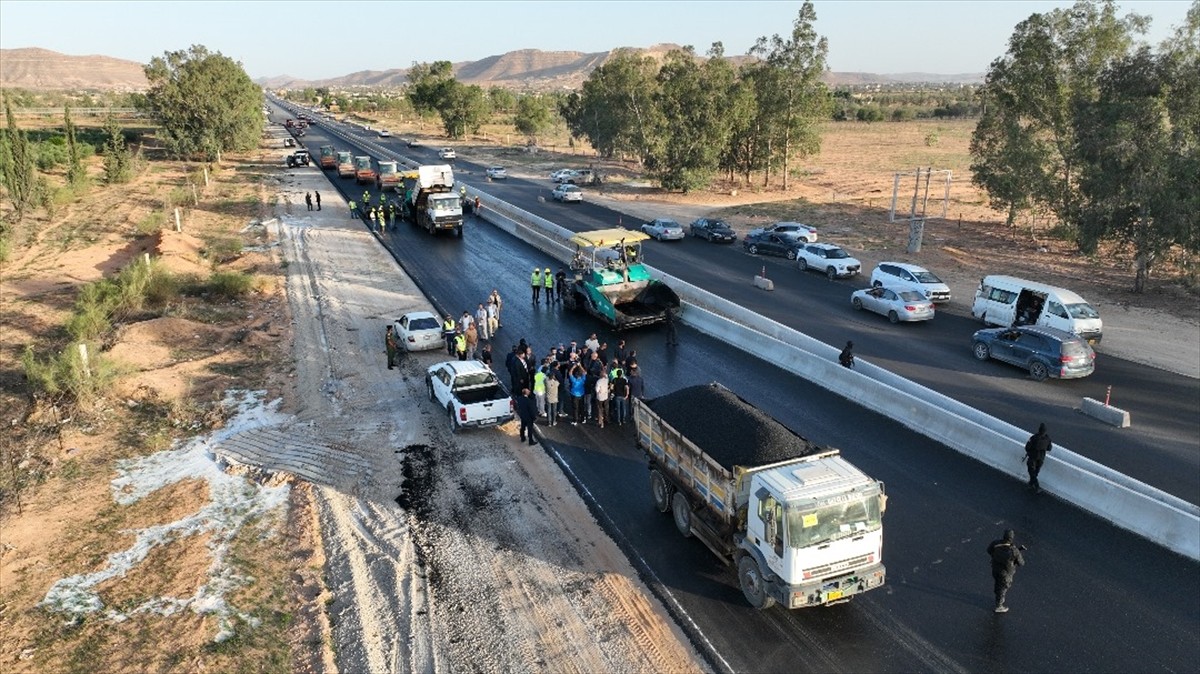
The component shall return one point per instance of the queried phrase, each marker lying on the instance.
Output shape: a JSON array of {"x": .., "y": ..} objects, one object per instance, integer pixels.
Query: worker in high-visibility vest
[
  {"x": 353, "y": 210},
  {"x": 535, "y": 283},
  {"x": 548, "y": 283}
]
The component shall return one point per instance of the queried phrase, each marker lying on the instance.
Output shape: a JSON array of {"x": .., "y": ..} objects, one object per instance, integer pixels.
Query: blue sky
[{"x": 314, "y": 40}]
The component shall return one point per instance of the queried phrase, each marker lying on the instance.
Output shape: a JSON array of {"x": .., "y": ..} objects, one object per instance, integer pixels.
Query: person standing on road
[
  {"x": 846, "y": 357},
  {"x": 493, "y": 317},
  {"x": 560, "y": 282},
  {"x": 472, "y": 341},
  {"x": 448, "y": 327},
  {"x": 637, "y": 385},
  {"x": 499, "y": 305},
  {"x": 619, "y": 388},
  {"x": 535, "y": 283},
  {"x": 481, "y": 320},
  {"x": 460, "y": 345},
  {"x": 380, "y": 219},
  {"x": 308, "y": 200},
  {"x": 539, "y": 390},
  {"x": 317, "y": 195},
  {"x": 353, "y": 210},
  {"x": 527, "y": 413},
  {"x": 478, "y": 207},
  {"x": 389, "y": 342},
  {"x": 576, "y": 385},
  {"x": 1035, "y": 455},
  {"x": 1006, "y": 557},
  {"x": 548, "y": 282},
  {"x": 366, "y": 199},
  {"x": 552, "y": 389},
  {"x": 602, "y": 394},
  {"x": 485, "y": 357},
  {"x": 672, "y": 333}
]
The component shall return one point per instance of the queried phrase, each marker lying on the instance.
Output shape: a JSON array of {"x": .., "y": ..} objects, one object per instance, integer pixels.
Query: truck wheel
[
  {"x": 453, "y": 419},
  {"x": 660, "y": 491},
  {"x": 458, "y": 231},
  {"x": 682, "y": 512},
  {"x": 751, "y": 580}
]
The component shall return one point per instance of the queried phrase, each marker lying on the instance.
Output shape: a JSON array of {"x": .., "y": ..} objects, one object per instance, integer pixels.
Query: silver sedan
[{"x": 895, "y": 303}]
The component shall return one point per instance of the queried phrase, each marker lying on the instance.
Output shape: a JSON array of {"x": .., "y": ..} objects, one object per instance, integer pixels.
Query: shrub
[
  {"x": 229, "y": 284},
  {"x": 65, "y": 375},
  {"x": 221, "y": 249},
  {"x": 153, "y": 222}
]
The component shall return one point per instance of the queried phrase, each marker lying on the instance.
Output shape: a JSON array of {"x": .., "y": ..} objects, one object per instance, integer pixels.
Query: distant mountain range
[{"x": 526, "y": 69}]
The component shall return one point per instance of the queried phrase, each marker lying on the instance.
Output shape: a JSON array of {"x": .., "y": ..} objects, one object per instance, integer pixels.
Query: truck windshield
[
  {"x": 816, "y": 525},
  {"x": 443, "y": 202}
]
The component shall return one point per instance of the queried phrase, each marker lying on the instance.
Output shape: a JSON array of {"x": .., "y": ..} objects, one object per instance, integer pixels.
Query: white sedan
[
  {"x": 419, "y": 331},
  {"x": 497, "y": 172},
  {"x": 898, "y": 304},
  {"x": 565, "y": 192},
  {"x": 664, "y": 229}
]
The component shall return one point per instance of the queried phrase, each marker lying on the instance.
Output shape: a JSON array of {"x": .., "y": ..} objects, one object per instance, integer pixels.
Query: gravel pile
[{"x": 727, "y": 428}]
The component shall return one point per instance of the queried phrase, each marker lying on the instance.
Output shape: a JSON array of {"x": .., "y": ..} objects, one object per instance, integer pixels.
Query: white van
[{"x": 1007, "y": 301}]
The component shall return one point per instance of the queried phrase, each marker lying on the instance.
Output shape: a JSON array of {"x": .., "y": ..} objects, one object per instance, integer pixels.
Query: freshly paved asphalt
[{"x": 1091, "y": 598}]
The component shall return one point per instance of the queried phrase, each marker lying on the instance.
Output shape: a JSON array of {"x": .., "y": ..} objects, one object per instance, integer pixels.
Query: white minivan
[{"x": 1006, "y": 301}]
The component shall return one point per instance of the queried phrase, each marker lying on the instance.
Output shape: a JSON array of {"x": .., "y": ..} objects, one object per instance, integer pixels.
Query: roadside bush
[
  {"x": 229, "y": 284},
  {"x": 135, "y": 288},
  {"x": 65, "y": 375},
  {"x": 222, "y": 249},
  {"x": 150, "y": 224}
]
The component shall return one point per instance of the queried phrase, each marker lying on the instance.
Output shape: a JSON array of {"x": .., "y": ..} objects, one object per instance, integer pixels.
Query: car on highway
[
  {"x": 827, "y": 258},
  {"x": 497, "y": 172},
  {"x": 795, "y": 230},
  {"x": 911, "y": 276},
  {"x": 564, "y": 176},
  {"x": 384, "y": 133},
  {"x": 447, "y": 153},
  {"x": 898, "y": 304},
  {"x": 771, "y": 244},
  {"x": 663, "y": 229},
  {"x": 419, "y": 331},
  {"x": 413, "y": 142},
  {"x": 712, "y": 229},
  {"x": 1045, "y": 352},
  {"x": 565, "y": 192}
]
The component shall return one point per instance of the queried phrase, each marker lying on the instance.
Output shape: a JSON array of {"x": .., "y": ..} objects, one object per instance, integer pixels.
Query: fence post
[
  {"x": 83, "y": 357},
  {"x": 178, "y": 226}
]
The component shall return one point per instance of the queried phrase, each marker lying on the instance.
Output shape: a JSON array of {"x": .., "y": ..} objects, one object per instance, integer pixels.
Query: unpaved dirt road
[{"x": 443, "y": 552}]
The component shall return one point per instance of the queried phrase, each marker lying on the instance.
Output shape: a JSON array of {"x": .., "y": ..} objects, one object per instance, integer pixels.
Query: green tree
[
  {"x": 464, "y": 110},
  {"x": 429, "y": 86},
  {"x": 118, "y": 161},
  {"x": 1008, "y": 163},
  {"x": 1051, "y": 68},
  {"x": 16, "y": 166},
  {"x": 694, "y": 97},
  {"x": 204, "y": 102},
  {"x": 616, "y": 111},
  {"x": 76, "y": 172},
  {"x": 1139, "y": 161},
  {"x": 502, "y": 100},
  {"x": 533, "y": 116},
  {"x": 793, "y": 101}
]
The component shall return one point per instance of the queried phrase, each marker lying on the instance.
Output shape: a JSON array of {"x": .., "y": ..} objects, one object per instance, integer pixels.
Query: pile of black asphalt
[{"x": 730, "y": 430}]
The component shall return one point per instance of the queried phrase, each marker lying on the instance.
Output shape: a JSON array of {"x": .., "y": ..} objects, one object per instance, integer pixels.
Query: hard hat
[
  {"x": 536, "y": 269},
  {"x": 547, "y": 270}
]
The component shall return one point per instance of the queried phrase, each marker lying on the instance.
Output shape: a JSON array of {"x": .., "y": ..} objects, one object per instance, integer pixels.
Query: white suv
[
  {"x": 447, "y": 153},
  {"x": 828, "y": 258},
  {"x": 904, "y": 275}
]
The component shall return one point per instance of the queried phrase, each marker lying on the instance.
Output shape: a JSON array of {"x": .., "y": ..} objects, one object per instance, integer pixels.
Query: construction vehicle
[
  {"x": 388, "y": 177},
  {"x": 364, "y": 170},
  {"x": 429, "y": 200},
  {"x": 611, "y": 283},
  {"x": 328, "y": 157},
  {"x": 800, "y": 523},
  {"x": 345, "y": 165}
]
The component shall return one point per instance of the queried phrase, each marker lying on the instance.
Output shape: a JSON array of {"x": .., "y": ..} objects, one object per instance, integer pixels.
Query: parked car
[
  {"x": 713, "y": 230},
  {"x": 828, "y": 258},
  {"x": 663, "y": 229},
  {"x": 795, "y": 230},
  {"x": 298, "y": 158},
  {"x": 419, "y": 331},
  {"x": 497, "y": 172},
  {"x": 904, "y": 275},
  {"x": 289, "y": 142},
  {"x": 1045, "y": 352},
  {"x": 447, "y": 153},
  {"x": 771, "y": 244},
  {"x": 470, "y": 393},
  {"x": 565, "y": 192},
  {"x": 898, "y": 304},
  {"x": 564, "y": 176}
]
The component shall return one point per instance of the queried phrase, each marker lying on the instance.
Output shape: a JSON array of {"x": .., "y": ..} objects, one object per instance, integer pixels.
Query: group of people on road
[
  {"x": 308, "y": 199},
  {"x": 580, "y": 384},
  {"x": 553, "y": 285},
  {"x": 469, "y": 336},
  {"x": 1005, "y": 553}
]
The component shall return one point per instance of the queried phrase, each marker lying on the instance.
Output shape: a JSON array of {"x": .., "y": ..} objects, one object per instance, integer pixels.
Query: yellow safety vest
[
  {"x": 549, "y": 280},
  {"x": 535, "y": 279},
  {"x": 460, "y": 343}
]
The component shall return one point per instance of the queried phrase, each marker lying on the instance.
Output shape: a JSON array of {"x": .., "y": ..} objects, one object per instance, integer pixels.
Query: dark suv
[{"x": 1045, "y": 352}]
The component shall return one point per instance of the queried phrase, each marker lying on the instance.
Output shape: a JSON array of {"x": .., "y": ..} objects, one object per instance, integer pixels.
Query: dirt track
[{"x": 442, "y": 552}]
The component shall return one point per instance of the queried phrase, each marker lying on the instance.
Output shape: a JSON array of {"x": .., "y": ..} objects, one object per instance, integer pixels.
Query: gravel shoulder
[{"x": 443, "y": 552}]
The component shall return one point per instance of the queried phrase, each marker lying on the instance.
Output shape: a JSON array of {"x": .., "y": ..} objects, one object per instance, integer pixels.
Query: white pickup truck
[{"x": 470, "y": 393}]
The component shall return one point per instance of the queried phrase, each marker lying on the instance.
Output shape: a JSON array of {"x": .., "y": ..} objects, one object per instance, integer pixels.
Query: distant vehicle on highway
[
  {"x": 898, "y": 304},
  {"x": 497, "y": 172},
  {"x": 795, "y": 230},
  {"x": 568, "y": 176},
  {"x": 828, "y": 258},
  {"x": 771, "y": 244},
  {"x": 413, "y": 142},
  {"x": 664, "y": 229},
  {"x": 904, "y": 275},
  {"x": 1045, "y": 352},
  {"x": 713, "y": 230},
  {"x": 384, "y": 133},
  {"x": 565, "y": 192},
  {"x": 447, "y": 153}
]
